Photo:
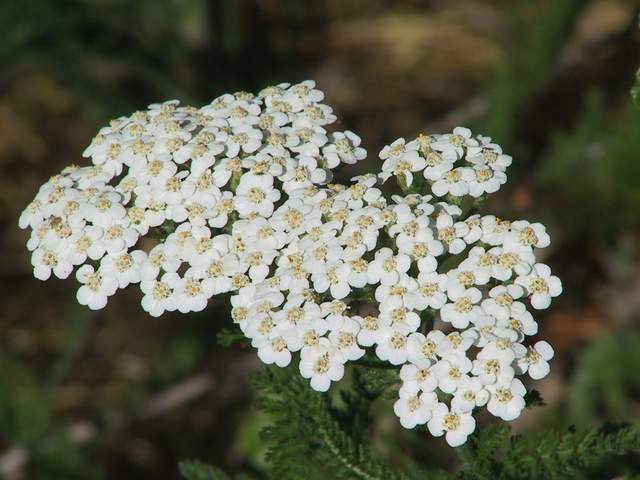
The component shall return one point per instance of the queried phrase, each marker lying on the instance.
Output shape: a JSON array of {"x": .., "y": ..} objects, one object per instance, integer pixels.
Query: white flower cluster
[
  {"x": 235, "y": 192},
  {"x": 170, "y": 166},
  {"x": 455, "y": 163}
]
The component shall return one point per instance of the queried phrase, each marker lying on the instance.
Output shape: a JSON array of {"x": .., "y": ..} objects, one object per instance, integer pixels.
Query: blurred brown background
[{"x": 117, "y": 394}]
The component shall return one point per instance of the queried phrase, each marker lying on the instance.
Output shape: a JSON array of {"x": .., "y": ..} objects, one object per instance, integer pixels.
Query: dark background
[{"x": 117, "y": 394}]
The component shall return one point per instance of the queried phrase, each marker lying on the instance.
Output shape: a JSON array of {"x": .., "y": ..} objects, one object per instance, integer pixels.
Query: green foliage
[
  {"x": 594, "y": 168},
  {"x": 229, "y": 336},
  {"x": 537, "y": 33},
  {"x": 607, "y": 375},
  {"x": 533, "y": 399},
  {"x": 635, "y": 90},
  {"x": 26, "y": 422},
  {"x": 310, "y": 438},
  {"x": 547, "y": 454},
  {"x": 195, "y": 470}
]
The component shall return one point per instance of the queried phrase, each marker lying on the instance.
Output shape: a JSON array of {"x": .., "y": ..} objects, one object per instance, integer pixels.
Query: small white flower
[
  {"x": 344, "y": 147},
  {"x": 370, "y": 327},
  {"x": 333, "y": 278},
  {"x": 420, "y": 347},
  {"x": 415, "y": 409},
  {"x": 507, "y": 399},
  {"x": 541, "y": 285},
  {"x": 255, "y": 194},
  {"x": 45, "y": 261},
  {"x": 494, "y": 364},
  {"x": 159, "y": 296},
  {"x": 485, "y": 180},
  {"x": 455, "y": 425},
  {"x": 457, "y": 141},
  {"x": 463, "y": 310},
  {"x": 392, "y": 343},
  {"x": 417, "y": 377},
  {"x": 502, "y": 300},
  {"x": 469, "y": 395},
  {"x": 525, "y": 236},
  {"x": 274, "y": 350},
  {"x": 430, "y": 292},
  {"x": 191, "y": 294},
  {"x": 123, "y": 266},
  {"x": 455, "y": 182},
  {"x": 451, "y": 234},
  {"x": 244, "y": 138},
  {"x": 322, "y": 363},
  {"x": 452, "y": 370},
  {"x": 96, "y": 287},
  {"x": 386, "y": 268},
  {"x": 536, "y": 361},
  {"x": 344, "y": 339}
]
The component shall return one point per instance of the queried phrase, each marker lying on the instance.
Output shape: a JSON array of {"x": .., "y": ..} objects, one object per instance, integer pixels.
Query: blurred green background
[{"x": 117, "y": 394}]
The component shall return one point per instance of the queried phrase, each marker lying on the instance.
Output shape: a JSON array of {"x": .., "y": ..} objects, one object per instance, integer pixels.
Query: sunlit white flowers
[{"x": 236, "y": 197}]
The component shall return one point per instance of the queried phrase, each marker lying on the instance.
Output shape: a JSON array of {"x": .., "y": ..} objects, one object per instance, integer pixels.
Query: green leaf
[
  {"x": 533, "y": 399},
  {"x": 310, "y": 438}
]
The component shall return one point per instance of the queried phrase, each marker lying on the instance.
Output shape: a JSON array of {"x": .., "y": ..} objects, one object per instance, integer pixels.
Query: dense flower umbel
[{"x": 237, "y": 197}]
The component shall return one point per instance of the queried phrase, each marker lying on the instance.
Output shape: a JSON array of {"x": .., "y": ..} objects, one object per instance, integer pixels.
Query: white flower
[
  {"x": 415, "y": 409},
  {"x": 451, "y": 234},
  {"x": 344, "y": 147},
  {"x": 524, "y": 236},
  {"x": 466, "y": 275},
  {"x": 541, "y": 285},
  {"x": 521, "y": 323},
  {"x": 386, "y": 268},
  {"x": 123, "y": 266},
  {"x": 507, "y": 399},
  {"x": 452, "y": 370},
  {"x": 398, "y": 314},
  {"x": 191, "y": 294},
  {"x": 488, "y": 154},
  {"x": 454, "y": 424},
  {"x": 536, "y": 361},
  {"x": 454, "y": 182},
  {"x": 322, "y": 363},
  {"x": 463, "y": 310},
  {"x": 274, "y": 350},
  {"x": 494, "y": 229},
  {"x": 457, "y": 141},
  {"x": 429, "y": 292},
  {"x": 118, "y": 235},
  {"x": 369, "y": 333},
  {"x": 96, "y": 287},
  {"x": 398, "y": 295},
  {"x": 255, "y": 194},
  {"x": 244, "y": 138},
  {"x": 469, "y": 395},
  {"x": 402, "y": 160},
  {"x": 454, "y": 343},
  {"x": 502, "y": 301},
  {"x": 392, "y": 343},
  {"x": 45, "y": 261},
  {"x": 494, "y": 364},
  {"x": 438, "y": 164},
  {"x": 333, "y": 278},
  {"x": 159, "y": 296},
  {"x": 417, "y": 377},
  {"x": 420, "y": 347},
  {"x": 344, "y": 339}
]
